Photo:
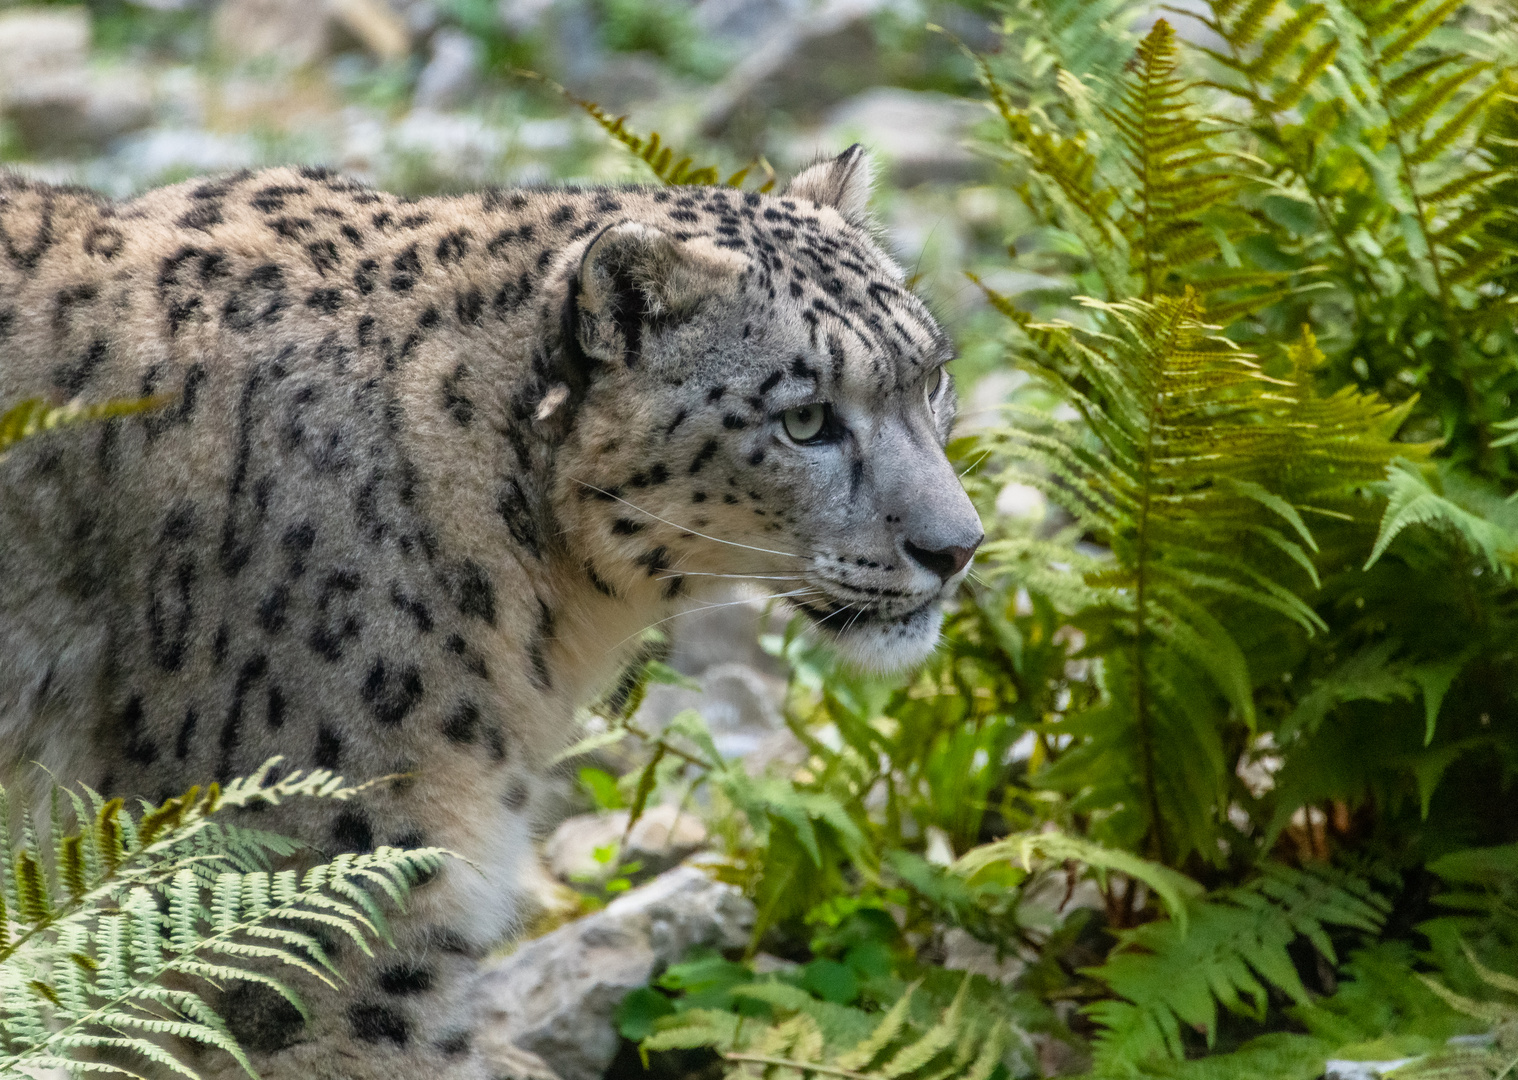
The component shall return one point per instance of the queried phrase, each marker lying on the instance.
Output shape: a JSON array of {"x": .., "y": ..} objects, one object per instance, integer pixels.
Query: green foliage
[
  {"x": 1233, "y": 950},
  {"x": 1490, "y": 1059},
  {"x": 806, "y": 1039},
  {"x": 116, "y": 929},
  {"x": 1257, "y": 654}
]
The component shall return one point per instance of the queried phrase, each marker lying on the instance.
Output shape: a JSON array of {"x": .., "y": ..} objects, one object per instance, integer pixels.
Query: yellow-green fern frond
[
  {"x": 27, "y": 418},
  {"x": 667, "y": 164},
  {"x": 809, "y": 1038}
]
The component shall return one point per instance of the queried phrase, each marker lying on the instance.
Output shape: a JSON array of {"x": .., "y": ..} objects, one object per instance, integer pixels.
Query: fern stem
[
  {"x": 799, "y": 1066},
  {"x": 1140, "y": 609}
]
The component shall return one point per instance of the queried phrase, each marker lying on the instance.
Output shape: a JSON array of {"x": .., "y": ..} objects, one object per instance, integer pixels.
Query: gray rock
[
  {"x": 452, "y": 73},
  {"x": 56, "y": 103},
  {"x": 661, "y": 838},
  {"x": 725, "y": 628},
  {"x": 918, "y": 136},
  {"x": 802, "y": 67},
  {"x": 746, "y": 23},
  {"x": 740, "y": 706},
  {"x": 297, "y": 33},
  {"x": 962, "y": 952},
  {"x": 556, "y": 997}
]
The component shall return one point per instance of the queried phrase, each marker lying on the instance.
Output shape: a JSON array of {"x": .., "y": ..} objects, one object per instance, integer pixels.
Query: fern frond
[
  {"x": 1201, "y": 454},
  {"x": 1413, "y": 500},
  {"x": 794, "y": 1043},
  {"x": 1236, "y": 945},
  {"x": 666, "y": 163},
  {"x": 110, "y": 946},
  {"x": 1174, "y": 889},
  {"x": 27, "y": 418}
]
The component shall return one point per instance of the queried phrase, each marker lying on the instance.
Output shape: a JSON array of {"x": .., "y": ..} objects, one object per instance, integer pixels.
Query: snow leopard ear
[
  {"x": 634, "y": 274},
  {"x": 842, "y": 182}
]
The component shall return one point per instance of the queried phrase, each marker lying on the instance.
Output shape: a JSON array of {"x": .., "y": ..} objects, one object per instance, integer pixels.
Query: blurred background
[{"x": 423, "y": 97}]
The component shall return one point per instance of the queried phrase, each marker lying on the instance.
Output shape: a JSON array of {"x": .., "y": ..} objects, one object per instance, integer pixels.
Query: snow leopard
[{"x": 423, "y": 472}]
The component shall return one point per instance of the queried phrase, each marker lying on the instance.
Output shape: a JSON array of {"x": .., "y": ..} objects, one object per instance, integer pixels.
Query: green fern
[
  {"x": 665, "y": 162},
  {"x": 1189, "y": 449},
  {"x": 807, "y": 1037},
  {"x": 112, "y": 932},
  {"x": 1494, "y": 1060},
  {"x": 1235, "y": 947}
]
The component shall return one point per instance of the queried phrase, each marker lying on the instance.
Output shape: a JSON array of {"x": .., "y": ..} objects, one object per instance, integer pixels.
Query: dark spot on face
[
  {"x": 186, "y": 734},
  {"x": 462, "y": 725},
  {"x": 714, "y": 395},
  {"x": 453, "y": 247},
  {"x": 698, "y": 497},
  {"x": 136, "y": 746},
  {"x": 516, "y": 795},
  {"x": 734, "y": 422},
  {"x": 473, "y": 592},
  {"x": 656, "y": 560},
  {"x": 455, "y": 402},
  {"x": 405, "y": 269},
  {"x": 325, "y": 301},
  {"x": 454, "y": 1043},
  {"x": 364, "y": 275},
  {"x": 469, "y": 307},
  {"x": 272, "y": 609},
  {"x": 104, "y": 241},
  {"x": 626, "y": 526},
  {"x": 756, "y": 456},
  {"x": 203, "y": 217}
]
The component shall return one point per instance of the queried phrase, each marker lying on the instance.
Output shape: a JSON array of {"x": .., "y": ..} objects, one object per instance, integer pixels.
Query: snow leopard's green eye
[
  {"x": 935, "y": 385},
  {"x": 803, "y": 424}
]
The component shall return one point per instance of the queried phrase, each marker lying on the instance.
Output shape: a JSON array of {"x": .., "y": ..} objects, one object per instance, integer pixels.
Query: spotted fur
[{"x": 428, "y": 468}]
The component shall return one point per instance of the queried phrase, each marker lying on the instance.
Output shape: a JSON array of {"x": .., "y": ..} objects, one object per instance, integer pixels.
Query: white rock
[
  {"x": 1362, "y": 1070},
  {"x": 451, "y": 74},
  {"x": 41, "y": 42},
  {"x": 962, "y": 952},
  {"x": 556, "y": 997},
  {"x": 1022, "y": 502}
]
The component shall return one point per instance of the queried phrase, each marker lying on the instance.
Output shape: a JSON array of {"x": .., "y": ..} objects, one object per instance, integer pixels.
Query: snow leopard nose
[{"x": 945, "y": 562}]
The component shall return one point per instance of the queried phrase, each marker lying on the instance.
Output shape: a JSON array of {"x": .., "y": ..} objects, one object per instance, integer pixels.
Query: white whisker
[
  {"x": 974, "y": 463},
  {"x": 713, "y": 607},
  {"x": 737, "y": 577},
  {"x": 682, "y": 528}
]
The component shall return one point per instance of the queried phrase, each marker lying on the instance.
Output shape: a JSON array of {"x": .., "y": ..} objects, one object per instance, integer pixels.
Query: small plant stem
[{"x": 799, "y": 1066}]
